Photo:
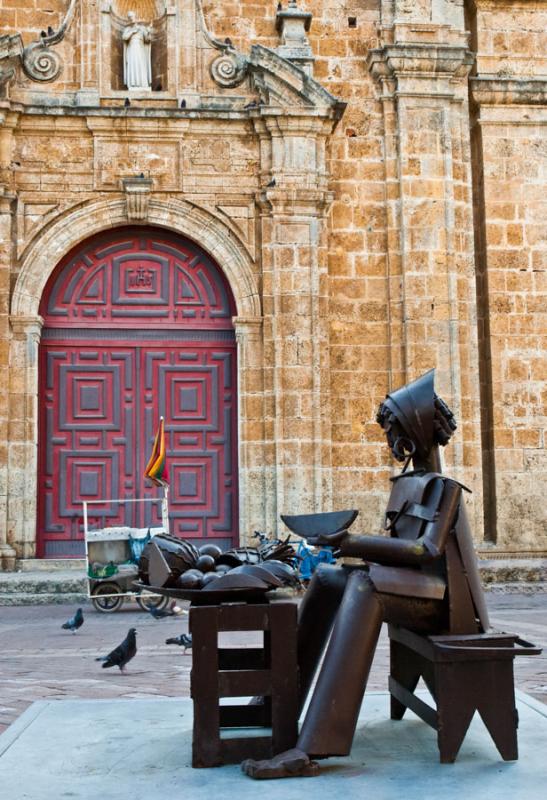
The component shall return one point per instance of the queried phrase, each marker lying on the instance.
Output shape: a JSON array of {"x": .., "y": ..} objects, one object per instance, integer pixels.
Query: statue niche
[
  {"x": 138, "y": 53},
  {"x": 137, "y": 60}
]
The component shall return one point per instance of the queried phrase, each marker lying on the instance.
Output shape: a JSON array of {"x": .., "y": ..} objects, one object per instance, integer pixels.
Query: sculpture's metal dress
[{"x": 422, "y": 576}]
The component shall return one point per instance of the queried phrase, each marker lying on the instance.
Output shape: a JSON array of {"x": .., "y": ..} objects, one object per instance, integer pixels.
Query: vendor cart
[{"x": 112, "y": 555}]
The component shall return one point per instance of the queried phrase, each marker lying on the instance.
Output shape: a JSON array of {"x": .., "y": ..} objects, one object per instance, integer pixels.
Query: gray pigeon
[
  {"x": 74, "y": 622},
  {"x": 121, "y": 654},
  {"x": 184, "y": 640}
]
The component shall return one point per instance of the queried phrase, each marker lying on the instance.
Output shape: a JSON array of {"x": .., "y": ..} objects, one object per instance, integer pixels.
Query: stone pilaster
[
  {"x": 421, "y": 69},
  {"x": 294, "y": 203},
  {"x": 7, "y": 553},
  {"x": 510, "y": 121},
  {"x": 23, "y": 434},
  {"x": 253, "y": 459}
]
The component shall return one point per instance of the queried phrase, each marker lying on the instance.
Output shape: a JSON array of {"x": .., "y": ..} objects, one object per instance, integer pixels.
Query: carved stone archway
[
  {"x": 39, "y": 261},
  {"x": 68, "y": 230}
]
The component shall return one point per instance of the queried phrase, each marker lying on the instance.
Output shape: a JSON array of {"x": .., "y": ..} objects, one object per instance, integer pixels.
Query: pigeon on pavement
[
  {"x": 172, "y": 611},
  {"x": 121, "y": 654},
  {"x": 161, "y": 613},
  {"x": 184, "y": 640},
  {"x": 74, "y": 622}
]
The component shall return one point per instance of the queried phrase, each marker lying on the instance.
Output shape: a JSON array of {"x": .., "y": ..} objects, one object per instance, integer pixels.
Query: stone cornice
[
  {"x": 279, "y": 82},
  {"x": 509, "y": 91}
]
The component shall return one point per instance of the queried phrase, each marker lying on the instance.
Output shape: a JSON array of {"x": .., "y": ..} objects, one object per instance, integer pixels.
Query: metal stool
[
  {"x": 269, "y": 672},
  {"x": 464, "y": 674}
]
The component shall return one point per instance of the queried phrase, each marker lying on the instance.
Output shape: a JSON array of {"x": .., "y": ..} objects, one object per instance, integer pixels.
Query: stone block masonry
[{"x": 364, "y": 245}]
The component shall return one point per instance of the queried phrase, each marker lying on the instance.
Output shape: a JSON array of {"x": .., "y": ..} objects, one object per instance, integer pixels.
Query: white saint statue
[{"x": 137, "y": 63}]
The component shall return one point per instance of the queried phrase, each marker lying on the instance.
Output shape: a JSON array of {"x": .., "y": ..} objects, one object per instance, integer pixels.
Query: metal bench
[{"x": 464, "y": 674}]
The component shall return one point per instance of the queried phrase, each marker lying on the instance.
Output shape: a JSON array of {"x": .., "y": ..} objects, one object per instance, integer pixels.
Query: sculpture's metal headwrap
[{"x": 423, "y": 418}]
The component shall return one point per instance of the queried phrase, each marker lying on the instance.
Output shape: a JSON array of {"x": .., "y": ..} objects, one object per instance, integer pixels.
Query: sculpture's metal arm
[{"x": 403, "y": 552}]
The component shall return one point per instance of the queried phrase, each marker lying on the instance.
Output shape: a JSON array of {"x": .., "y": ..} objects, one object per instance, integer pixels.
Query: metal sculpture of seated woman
[{"x": 423, "y": 576}]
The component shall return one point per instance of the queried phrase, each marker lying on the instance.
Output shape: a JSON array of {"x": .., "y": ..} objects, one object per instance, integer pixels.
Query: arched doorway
[{"x": 138, "y": 323}]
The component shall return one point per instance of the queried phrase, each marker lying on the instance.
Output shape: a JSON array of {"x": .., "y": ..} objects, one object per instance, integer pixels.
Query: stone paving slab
[
  {"x": 141, "y": 749},
  {"x": 39, "y": 660}
]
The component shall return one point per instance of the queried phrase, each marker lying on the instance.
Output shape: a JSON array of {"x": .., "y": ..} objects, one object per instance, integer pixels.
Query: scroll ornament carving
[
  {"x": 229, "y": 69},
  {"x": 40, "y": 62}
]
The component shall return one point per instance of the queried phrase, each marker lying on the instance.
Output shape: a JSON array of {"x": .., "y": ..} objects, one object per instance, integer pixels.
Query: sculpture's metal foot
[{"x": 290, "y": 764}]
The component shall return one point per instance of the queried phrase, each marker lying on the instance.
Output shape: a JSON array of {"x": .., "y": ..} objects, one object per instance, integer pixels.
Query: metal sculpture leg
[
  {"x": 331, "y": 718},
  {"x": 316, "y": 616}
]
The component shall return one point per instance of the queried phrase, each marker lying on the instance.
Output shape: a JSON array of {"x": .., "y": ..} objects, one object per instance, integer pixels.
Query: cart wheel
[
  {"x": 105, "y": 604},
  {"x": 148, "y": 600}
]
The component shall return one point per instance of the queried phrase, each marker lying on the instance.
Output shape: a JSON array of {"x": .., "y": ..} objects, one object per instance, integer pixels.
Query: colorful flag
[{"x": 156, "y": 469}]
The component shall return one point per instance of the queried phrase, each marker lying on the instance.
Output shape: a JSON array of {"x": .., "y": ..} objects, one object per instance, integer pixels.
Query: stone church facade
[{"x": 308, "y": 205}]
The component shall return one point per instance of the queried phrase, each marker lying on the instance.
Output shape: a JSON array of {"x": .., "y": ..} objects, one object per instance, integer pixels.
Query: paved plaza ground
[{"x": 39, "y": 660}]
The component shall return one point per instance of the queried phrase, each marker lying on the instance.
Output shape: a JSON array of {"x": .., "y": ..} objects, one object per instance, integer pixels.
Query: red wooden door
[{"x": 137, "y": 325}]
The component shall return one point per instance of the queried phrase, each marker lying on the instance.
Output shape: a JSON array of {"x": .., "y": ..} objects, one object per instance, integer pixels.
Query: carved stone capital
[
  {"x": 137, "y": 195},
  {"x": 295, "y": 202},
  {"x": 419, "y": 68},
  {"x": 27, "y": 327},
  {"x": 247, "y": 328}
]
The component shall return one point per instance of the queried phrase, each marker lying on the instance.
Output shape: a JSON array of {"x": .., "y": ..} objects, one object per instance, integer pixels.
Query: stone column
[
  {"x": 23, "y": 427},
  {"x": 422, "y": 68},
  {"x": 254, "y": 473},
  {"x": 89, "y": 56},
  {"x": 294, "y": 203},
  {"x": 7, "y": 553}
]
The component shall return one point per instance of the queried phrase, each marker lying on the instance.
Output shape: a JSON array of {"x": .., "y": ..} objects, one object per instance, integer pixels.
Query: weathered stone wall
[
  {"x": 382, "y": 249},
  {"x": 509, "y": 95}
]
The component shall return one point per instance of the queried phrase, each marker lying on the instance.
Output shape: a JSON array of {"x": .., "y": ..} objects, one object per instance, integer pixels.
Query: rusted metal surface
[
  {"x": 270, "y": 673},
  {"x": 464, "y": 674},
  {"x": 421, "y": 577}
]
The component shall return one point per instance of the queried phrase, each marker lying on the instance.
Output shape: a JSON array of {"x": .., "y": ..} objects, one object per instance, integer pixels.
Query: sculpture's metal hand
[{"x": 328, "y": 540}]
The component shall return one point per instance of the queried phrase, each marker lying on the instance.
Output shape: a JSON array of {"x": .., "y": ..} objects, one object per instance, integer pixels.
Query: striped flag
[{"x": 156, "y": 469}]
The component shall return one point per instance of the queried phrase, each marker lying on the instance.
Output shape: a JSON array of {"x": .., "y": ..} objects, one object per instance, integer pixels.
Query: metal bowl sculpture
[{"x": 176, "y": 567}]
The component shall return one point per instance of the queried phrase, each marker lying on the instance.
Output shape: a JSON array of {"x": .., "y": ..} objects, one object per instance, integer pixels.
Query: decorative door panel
[
  {"x": 194, "y": 389},
  {"x": 104, "y": 385},
  {"x": 86, "y": 437},
  {"x": 140, "y": 279}
]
